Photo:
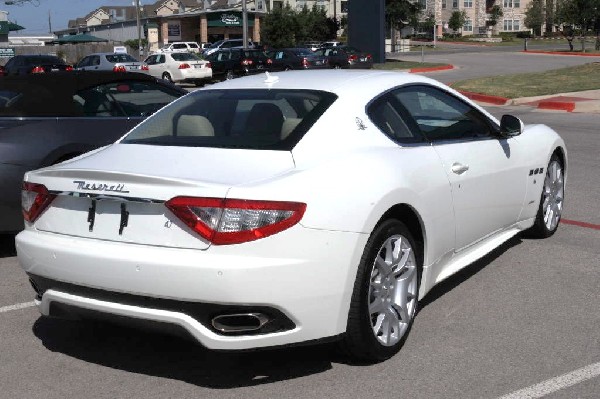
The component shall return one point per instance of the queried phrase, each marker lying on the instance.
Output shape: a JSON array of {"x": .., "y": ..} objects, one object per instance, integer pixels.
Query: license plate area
[{"x": 148, "y": 223}]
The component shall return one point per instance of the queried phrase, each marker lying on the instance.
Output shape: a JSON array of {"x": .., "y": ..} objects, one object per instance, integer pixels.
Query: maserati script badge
[{"x": 116, "y": 188}]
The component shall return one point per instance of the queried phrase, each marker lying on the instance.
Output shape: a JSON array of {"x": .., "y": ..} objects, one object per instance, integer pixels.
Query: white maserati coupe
[{"x": 278, "y": 209}]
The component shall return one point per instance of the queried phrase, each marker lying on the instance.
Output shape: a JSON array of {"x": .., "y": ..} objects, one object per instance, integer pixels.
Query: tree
[
  {"x": 402, "y": 13},
  {"x": 534, "y": 16},
  {"x": 581, "y": 13},
  {"x": 495, "y": 14},
  {"x": 278, "y": 28},
  {"x": 457, "y": 20}
]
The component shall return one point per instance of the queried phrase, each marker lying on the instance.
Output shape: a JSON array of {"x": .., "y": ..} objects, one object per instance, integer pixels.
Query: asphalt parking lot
[{"x": 523, "y": 321}]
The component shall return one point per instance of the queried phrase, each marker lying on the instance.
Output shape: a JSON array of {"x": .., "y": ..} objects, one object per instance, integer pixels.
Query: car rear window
[
  {"x": 44, "y": 60},
  {"x": 238, "y": 118},
  {"x": 114, "y": 58},
  {"x": 184, "y": 57}
]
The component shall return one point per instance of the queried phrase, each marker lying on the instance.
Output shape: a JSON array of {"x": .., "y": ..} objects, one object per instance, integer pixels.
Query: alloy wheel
[
  {"x": 393, "y": 290},
  {"x": 553, "y": 195}
]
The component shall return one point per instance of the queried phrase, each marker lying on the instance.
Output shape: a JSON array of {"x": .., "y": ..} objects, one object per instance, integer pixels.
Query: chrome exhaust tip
[{"x": 239, "y": 322}]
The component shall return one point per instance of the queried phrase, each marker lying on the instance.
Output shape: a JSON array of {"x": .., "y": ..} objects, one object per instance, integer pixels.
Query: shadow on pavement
[
  {"x": 172, "y": 357},
  {"x": 7, "y": 245},
  {"x": 463, "y": 275}
]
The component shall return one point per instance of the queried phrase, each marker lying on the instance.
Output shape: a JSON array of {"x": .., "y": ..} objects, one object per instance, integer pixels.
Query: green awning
[{"x": 228, "y": 18}]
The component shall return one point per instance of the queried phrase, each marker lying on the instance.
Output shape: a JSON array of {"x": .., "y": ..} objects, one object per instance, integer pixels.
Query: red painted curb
[
  {"x": 557, "y": 105},
  {"x": 485, "y": 98},
  {"x": 431, "y": 69},
  {"x": 561, "y": 53},
  {"x": 581, "y": 224}
]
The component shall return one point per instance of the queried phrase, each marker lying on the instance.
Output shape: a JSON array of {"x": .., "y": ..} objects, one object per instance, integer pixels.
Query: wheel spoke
[
  {"x": 402, "y": 296},
  {"x": 376, "y": 307},
  {"x": 383, "y": 266}
]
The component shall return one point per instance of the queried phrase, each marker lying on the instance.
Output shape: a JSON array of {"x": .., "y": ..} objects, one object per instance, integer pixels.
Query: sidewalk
[{"x": 581, "y": 101}]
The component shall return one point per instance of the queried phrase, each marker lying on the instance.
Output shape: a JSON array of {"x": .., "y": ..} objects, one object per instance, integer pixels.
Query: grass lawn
[{"x": 577, "y": 78}]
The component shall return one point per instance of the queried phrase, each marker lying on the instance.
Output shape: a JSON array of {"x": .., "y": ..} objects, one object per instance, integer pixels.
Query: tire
[
  {"x": 166, "y": 76},
  {"x": 229, "y": 75},
  {"x": 549, "y": 212},
  {"x": 385, "y": 296},
  {"x": 337, "y": 66},
  {"x": 199, "y": 83}
]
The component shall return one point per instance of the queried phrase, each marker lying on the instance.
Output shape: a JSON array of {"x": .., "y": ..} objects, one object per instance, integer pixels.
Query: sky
[{"x": 33, "y": 14}]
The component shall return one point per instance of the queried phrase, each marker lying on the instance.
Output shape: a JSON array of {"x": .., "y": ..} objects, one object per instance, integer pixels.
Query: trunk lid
[{"x": 118, "y": 193}]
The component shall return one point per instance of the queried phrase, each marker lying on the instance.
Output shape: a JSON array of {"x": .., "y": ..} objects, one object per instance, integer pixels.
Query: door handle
[{"x": 459, "y": 168}]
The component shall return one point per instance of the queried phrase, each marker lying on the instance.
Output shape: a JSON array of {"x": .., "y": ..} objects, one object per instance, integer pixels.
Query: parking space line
[
  {"x": 17, "y": 306},
  {"x": 556, "y": 383},
  {"x": 581, "y": 224}
]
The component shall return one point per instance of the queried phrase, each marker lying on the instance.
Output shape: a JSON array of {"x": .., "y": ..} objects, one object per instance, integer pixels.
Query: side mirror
[{"x": 511, "y": 126}]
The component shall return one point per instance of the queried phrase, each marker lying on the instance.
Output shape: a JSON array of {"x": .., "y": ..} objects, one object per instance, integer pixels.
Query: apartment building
[
  {"x": 477, "y": 12},
  {"x": 333, "y": 8}
]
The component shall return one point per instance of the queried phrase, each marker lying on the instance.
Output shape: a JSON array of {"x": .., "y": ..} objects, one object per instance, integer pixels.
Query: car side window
[
  {"x": 441, "y": 116},
  {"x": 84, "y": 62},
  {"x": 95, "y": 60},
  {"x": 392, "y": 119}
]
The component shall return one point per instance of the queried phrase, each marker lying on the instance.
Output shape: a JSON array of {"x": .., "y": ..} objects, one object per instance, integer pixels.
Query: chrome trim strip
[{"x": 104, "y": 197}]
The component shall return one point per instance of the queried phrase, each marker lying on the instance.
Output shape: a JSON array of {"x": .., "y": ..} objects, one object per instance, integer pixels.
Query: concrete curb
[
  {"x": 561, "y": 53},
  {"x": 431, "y": 69},
  {"x": 485, "y": 98}
]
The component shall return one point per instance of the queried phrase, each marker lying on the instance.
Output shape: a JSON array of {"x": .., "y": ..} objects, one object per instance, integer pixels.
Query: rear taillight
[
  {"x": 119, "y": 68},
  {"x": 234, "y": 221},
  {"x": 144, "y": 67},
  {"x": 304, "y": 62},
  {"x": 247, "y": 62},
  {"x": 184, "y": 66},
  {"x": 352, "y": 58},
  {"x": 269, "y": 61},
  {"x": 34, "y": 199},
  {"x": 369, "y": 56},
  {"x": 208, "y": 65},
  {"x": 38, "y": 69},
  {"x": 69, "y": 68}
]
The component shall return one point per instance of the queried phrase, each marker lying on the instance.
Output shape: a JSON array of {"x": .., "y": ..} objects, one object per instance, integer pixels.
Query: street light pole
[
  {"x": 244, "y": 24},
  {"x": 139, "y": 28}
]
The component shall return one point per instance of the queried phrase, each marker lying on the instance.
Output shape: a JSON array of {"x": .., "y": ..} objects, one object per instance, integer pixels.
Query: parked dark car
[
  {"x": 346, "y": 57},
  {"x": 49, "y": 118},
  {"x": 28, "y": 64},
  {"x": 296, "y": 58},
  {"x": 230, "y": 63}
]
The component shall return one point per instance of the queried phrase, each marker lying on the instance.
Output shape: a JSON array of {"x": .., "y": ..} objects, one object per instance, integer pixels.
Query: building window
[
  {"x": 444, "y": 4},
  {"x": 512, "y": 3},
  {"x": 468, "y": 26},
  {"x": 454, "y": 3},
  {"x": 516, "y": 25},
  {"x": 468, "y": 3},
  {"x": 322, "y": 4},
  {"x": 508, "y": 25}
]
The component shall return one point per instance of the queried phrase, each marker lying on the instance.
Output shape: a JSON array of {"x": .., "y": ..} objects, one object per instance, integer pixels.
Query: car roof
[{"x": 347, "y": 82}]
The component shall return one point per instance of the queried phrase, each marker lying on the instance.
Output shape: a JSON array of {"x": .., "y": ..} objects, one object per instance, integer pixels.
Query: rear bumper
[{"x": 304, "y": 277}]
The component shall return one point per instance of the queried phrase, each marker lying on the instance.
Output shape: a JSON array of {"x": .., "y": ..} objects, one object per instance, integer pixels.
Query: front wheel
[
  {"x": 385, "y": 297},
  {"x": 166, "y": 76},
  {"x": 551, "y": 202}
]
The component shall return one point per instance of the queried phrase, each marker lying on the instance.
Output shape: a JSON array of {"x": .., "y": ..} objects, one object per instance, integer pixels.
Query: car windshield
[
  {"x": 184, "y": 57},
  {"x": 262, "y": 119},
  {"x": 114, "y": 58}
]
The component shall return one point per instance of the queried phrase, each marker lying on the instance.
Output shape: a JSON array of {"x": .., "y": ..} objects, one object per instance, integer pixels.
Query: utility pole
[
  {"x": 244, "y": 24},
  {"x": 49, "y": 23},
  {"x": 139, "y": 28}
]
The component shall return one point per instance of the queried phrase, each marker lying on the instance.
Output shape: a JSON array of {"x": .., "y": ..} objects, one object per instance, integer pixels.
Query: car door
[{"x": 487, "y": 172}]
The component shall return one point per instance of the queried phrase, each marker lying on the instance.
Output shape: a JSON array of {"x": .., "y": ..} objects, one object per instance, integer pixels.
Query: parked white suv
[
  {"x": 181, "y": 47},
  {"x": 226, "y": 44}
]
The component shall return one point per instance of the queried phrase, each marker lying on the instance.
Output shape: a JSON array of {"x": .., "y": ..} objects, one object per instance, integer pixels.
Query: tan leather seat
[{"x": 194, "y": 125}]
